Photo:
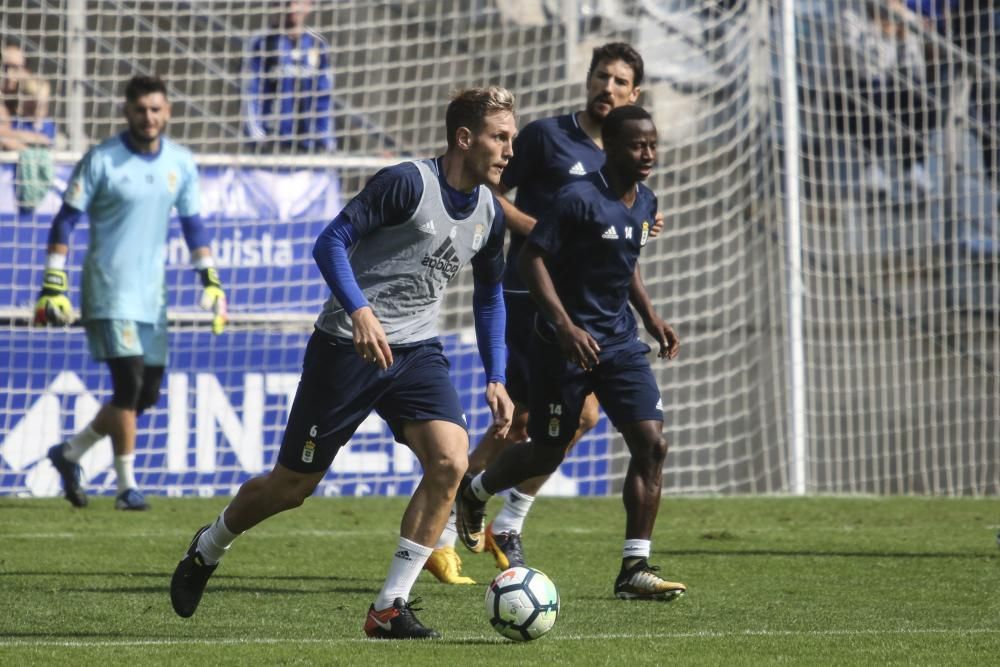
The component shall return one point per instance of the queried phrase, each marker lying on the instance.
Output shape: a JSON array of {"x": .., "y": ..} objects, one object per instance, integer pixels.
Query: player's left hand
[
  {"x": 370, "y": 340},
  {"x": 501, "y": 407},
  {"x": 670, "y": 342},
  {"x": 657, "y": 227},
  {"x": 214, "y": 299}
]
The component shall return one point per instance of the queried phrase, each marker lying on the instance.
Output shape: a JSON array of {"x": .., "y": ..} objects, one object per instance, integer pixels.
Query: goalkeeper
[{"x": 127, "y": 185}]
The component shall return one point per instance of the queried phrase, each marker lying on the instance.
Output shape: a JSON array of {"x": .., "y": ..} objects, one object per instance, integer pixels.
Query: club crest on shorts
[{"x": 309, "y": 451}]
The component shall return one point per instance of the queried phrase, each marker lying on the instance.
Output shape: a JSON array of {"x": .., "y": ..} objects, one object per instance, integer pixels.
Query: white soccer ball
[{"x": 522, "y": 603}]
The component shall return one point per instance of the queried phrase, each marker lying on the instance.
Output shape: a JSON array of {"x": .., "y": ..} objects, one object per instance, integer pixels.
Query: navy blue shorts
[
  {"x": 521, "y": 311},
  {"x": 338, "y": 390},
  {"x": 623, "y": 381}
]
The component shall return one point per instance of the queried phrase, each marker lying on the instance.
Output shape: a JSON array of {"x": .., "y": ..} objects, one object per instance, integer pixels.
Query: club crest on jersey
[
  {"x": 172, "y": 181},
  {"x": 312, "y": 57},
  {"x": 75, "y": 191},
  {"x": 645, "y": 233},
  {"x": 477, "y": 239}
]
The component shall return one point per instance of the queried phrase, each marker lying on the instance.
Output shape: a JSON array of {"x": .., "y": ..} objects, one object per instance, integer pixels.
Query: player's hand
[
  {"x": 53, "y": 307},
  {"x": 369, "y": 338},
  {"x": 214, "y": 299},
  {"x": 657, "y": 227},
  {"x": 578, "y": 346},
  {"x": 670, "y": 342},
  {"x": 502, "y": 409}
]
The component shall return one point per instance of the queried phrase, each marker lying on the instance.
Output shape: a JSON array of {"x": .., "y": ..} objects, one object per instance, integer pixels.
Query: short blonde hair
[{"x": 470, "y": 107}]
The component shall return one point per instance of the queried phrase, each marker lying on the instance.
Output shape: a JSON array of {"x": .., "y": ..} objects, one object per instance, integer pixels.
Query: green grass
[{"x": 904, "y": 581}]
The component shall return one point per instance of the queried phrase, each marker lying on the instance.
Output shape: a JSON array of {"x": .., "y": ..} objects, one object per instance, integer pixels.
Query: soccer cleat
[
  {"x": 397, "y": 622},
  {"x": 445, "y": 564},
  {"x": 70, "y": 473},
  {"x": 641, "y": 582},
  {"x": 189, "y": 580},
  {"x": 131, "y": 500},
  {"x": 506, "y": 547},
  {"x": 470, "y": 517}
]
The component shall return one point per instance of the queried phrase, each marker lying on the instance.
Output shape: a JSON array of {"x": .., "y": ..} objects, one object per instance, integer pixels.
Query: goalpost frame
[{"x": 796, "y": 364}]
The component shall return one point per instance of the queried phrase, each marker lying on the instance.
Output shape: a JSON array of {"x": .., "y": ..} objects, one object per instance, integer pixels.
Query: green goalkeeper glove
[
  {"x": 53, "y": 306},
  {"x": 214, "y": 299}
]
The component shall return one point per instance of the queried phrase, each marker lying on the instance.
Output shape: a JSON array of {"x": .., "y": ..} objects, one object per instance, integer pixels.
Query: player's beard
[
  {"x": 592, "y": 108},
  {"x": 141, "y": 140}
]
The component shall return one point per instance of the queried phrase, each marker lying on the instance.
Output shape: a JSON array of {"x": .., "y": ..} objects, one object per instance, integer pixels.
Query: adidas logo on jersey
[
  {"x": 444, "y": 259},
  {"x": 610, "y": 233},
  {"x": 578, "y": 170},
  {"x": 427, "y": 227}
]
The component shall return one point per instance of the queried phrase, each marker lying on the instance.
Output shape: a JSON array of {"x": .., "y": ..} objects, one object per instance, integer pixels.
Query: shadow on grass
[
  {"x": 224, "y": 588},
  {"x": 167, "y": 574},
  {"x": 971, "y": 555}
]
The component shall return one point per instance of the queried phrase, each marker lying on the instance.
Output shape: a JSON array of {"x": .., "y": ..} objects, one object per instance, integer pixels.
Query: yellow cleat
[
  {"x": 445, "y": 564},
  {"x": 641, "y": 582}
]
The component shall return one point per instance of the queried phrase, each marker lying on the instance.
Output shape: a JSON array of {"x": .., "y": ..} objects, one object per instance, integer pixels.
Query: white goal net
[{"x": 828, "y": 176}]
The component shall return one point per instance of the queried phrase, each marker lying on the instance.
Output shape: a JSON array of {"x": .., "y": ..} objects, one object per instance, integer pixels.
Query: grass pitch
[{"x": 798, "y": 581}]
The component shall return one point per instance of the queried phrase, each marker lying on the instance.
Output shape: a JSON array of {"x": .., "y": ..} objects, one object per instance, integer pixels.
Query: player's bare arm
[
  {"x": 501, "y": 407},
  {"x": 516, "y": 220},
  {"x": 578, "y": 345},
  {"x": 670, "y": 342},
  {"x": 369, "y": 338}
]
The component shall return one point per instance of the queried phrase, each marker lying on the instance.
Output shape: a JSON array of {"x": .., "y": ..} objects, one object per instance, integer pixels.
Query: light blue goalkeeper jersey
[{"x": 128, "y": 197}]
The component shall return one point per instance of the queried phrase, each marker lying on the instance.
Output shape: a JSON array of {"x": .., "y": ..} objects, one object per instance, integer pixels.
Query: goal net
[{"x": 829, "y": 260}]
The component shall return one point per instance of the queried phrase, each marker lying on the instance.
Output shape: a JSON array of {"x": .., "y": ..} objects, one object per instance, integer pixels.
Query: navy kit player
[
  {"x": 387, "y": 258},
  {"x": 587, "y": 341},
  {"x": 127, "y": 185},
  {"x": 548, "y": 154}
]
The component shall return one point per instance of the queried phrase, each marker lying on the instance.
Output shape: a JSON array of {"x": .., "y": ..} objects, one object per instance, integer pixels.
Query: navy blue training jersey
[
  {"x": 548, "y": 154},
  {"x": 593, "y": 242}
]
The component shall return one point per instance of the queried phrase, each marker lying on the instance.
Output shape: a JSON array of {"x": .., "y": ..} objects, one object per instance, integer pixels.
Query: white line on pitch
[
  {"x": 144, "y": 535},
  {"x": 557, "y": 637}
]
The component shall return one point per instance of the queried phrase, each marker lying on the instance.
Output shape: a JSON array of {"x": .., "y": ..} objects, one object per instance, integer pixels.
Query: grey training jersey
[{"x": 403, "y": 269}]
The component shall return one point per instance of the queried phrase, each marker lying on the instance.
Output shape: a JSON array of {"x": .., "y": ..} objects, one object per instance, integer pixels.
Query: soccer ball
[{"x": 522, "y": 604}]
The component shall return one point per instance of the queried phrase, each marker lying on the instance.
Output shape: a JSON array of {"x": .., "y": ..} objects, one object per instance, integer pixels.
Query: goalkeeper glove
[
  {"x": 214, "y": 299},
  {"x": 53, "y": 306}
]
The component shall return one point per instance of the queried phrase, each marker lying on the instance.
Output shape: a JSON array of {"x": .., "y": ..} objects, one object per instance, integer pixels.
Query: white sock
[
  {"x": 124, "y": 469},
  {"x": 476, "y": 486},
  {"x": 512, "y": 515},
  {"x": 449, "y": 535},
  {"x": 78, "y": 445},
  {"x": 215, "y": 542},
  {"x": 406, "y": 565},
  {"x": 636, "y": 549}
]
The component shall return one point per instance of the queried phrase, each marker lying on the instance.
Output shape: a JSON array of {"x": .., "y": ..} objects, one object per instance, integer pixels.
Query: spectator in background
[
  {"x": 14, "y": 70},
  {"x": 976, "y": 29},
  {"x": 885, "y": 103},
  {"x": 286, "y": 97},
  {"x": 35, "y": 170}
]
